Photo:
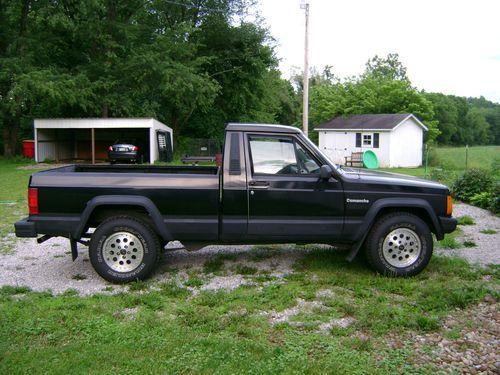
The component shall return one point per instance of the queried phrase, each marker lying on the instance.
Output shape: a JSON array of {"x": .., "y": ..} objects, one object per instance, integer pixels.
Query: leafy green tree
[
  {"x": 387, "y": 68},
  {"x": 491, "y": 113},
  {"x": 192, "y": 64},
  {"x": 382, "y": 88}
]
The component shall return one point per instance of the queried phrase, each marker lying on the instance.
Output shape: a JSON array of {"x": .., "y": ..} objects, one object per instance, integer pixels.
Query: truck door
[{"x": 287, "y": 200}]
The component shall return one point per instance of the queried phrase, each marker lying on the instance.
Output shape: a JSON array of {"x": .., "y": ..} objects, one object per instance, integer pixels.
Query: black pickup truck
[{"x": 275, "y": 186}]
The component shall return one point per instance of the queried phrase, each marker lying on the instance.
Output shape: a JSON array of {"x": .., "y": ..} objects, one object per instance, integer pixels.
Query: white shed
[
  {"x": 396, "y": 139},
  {"x": 89, "y": 139}
]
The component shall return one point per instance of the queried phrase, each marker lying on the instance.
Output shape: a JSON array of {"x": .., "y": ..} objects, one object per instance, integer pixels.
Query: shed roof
[{"x": 381, "y": 122}]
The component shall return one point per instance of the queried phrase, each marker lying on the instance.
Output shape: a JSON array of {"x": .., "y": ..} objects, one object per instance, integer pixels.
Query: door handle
[{"x": 259, "y": 184}]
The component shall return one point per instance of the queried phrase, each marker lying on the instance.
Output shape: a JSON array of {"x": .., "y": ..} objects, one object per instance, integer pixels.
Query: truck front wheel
[
  {"x": 399, "y": 244},
  {"x": 124, "y": 249}
]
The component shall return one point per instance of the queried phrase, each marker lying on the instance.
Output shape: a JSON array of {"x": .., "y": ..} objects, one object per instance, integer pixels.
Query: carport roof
[{"x": 96, "y": 123}]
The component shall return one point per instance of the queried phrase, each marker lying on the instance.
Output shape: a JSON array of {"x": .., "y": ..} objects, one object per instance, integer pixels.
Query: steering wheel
[{"x": 289, "y": 169}]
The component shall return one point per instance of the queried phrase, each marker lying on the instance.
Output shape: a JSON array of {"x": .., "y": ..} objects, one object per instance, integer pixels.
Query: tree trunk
[
  {"x": 9, "y": 139},
  {"x": 104, "y": 112}
]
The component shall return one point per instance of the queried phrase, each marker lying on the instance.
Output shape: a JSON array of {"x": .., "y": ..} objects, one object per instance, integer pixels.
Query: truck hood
[{"x": 388, "y": 178}]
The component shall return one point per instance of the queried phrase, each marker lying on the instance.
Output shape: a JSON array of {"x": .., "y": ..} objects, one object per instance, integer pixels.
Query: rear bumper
[
  {"x": 25, "y": 228},
  {"x": 64, "y": 226},
  {"x": 449, "y": 224},
  {"x": 122, "y": 155}
]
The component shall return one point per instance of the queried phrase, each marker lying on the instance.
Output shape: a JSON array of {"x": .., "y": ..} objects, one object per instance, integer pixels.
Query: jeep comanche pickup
[{"x": 275, "y": 186}]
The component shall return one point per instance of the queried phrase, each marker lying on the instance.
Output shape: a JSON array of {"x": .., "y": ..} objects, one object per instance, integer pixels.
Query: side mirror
[{"x": 325, "y": 172}]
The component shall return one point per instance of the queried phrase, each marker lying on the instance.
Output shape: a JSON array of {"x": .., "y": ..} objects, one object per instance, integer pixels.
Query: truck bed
[{"x": 187, "y": 196}]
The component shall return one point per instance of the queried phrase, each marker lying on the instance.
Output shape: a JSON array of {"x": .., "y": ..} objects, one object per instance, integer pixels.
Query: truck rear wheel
[
  {"x": 399, "y": 244},
  {"x": 124, "y": 249}
]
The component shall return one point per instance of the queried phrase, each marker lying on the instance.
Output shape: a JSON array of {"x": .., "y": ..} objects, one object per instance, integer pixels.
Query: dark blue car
[{"x": 123, "y": 151}]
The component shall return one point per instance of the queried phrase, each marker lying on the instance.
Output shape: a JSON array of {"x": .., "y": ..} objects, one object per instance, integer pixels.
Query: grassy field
[
  {"x": 447, "y": 163},
  {"x": 455, "y": 157},
  {"x": 172, "y": 327}
]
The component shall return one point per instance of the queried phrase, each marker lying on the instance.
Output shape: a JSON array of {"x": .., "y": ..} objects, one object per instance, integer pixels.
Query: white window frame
[{"x": 369, "y": 140}]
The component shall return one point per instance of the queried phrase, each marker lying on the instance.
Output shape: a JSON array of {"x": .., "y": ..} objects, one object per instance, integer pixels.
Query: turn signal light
[
  {"x": 449, "y": 206},
  {"x": 33, "y": 201}
]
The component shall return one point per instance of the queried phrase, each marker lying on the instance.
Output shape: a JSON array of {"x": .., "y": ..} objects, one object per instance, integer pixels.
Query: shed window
[
  {"x": 358, "y": 139},
  {"x": 367, "y": 139}
]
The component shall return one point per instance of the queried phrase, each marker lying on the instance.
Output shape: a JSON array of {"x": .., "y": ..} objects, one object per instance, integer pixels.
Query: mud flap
[{"x": 74, "y": 248}]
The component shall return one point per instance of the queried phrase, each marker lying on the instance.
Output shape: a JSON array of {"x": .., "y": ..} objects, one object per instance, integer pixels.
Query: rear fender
[{"x": 123, "y": 200}]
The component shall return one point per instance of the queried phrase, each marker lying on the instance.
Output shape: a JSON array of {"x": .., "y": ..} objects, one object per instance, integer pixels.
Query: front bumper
[{"x": 448, "y": 224}]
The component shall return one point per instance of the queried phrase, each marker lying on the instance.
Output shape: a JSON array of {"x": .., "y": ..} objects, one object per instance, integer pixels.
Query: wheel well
[
  {"x": 101, "y": 213},
  {"x": 417, "y": 211}
]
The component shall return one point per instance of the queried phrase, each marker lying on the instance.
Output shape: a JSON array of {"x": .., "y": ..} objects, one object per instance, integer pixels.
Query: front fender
[{"x": 400, "y": 203}]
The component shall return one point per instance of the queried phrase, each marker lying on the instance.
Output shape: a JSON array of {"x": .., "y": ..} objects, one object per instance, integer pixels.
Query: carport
[{"x": 88, "y": 139}]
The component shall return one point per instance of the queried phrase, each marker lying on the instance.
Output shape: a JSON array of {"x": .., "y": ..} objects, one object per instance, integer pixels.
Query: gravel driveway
[
  {"x": 48, "y": 266},
  {"x": 487, "y": 249}
]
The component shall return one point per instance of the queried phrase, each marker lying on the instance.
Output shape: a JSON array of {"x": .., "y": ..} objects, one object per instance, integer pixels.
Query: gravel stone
[
  {"x": 341, "y": 323},
  {"x": 475, "y": 351}
]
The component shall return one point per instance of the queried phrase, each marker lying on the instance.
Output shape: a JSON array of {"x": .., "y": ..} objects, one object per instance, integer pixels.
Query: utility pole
[{"x": 305, "y": 104}]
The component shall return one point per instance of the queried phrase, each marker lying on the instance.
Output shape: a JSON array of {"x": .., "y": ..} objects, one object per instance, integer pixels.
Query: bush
[
  {"x": 482, "y": 200},
  {"x": 442, "y": 175},
  {"x": 472, "y": 182},
  {"x": 495, "y": 198}
]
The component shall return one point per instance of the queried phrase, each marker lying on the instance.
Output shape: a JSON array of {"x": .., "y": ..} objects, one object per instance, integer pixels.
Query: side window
[
  {"x": 280, "y": 155},
  {"x": 272, "y": 155}
]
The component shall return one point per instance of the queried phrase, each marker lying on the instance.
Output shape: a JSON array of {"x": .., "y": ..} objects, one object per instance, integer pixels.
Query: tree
[
  {"x": 192, "y": 64},
  {"x": 382, "y": 88},
  {"x": 387, "y": 68}
]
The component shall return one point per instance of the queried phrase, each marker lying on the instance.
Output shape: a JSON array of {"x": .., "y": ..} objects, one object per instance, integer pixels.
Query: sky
[{"x": 448, "y": 46}]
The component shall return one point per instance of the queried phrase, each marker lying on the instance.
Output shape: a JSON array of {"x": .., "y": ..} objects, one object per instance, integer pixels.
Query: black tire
[
  {"x": 399, "y": 244},
  {"x": 124, "y": 249}
]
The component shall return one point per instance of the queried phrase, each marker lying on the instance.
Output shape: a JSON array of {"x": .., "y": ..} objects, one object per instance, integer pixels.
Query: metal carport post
[{"x": 92, "y": 133}]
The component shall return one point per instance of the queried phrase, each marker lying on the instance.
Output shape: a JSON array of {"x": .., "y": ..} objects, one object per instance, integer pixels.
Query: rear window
[{"x": 125, "y": 142}]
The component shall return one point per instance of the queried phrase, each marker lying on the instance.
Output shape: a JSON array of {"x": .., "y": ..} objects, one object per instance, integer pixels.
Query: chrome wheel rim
[
  {"x": 401, "y": 247},
  {"x": 123, "y": 252}
]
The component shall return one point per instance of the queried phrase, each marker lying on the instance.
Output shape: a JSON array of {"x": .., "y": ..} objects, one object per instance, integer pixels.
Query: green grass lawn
[
  {"x": 162, "y": 327},
  {"x": 13, "y": 199}
]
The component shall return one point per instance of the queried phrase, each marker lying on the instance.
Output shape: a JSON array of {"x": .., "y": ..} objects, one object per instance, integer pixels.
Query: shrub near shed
[{"x": 472, "y": 182}]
